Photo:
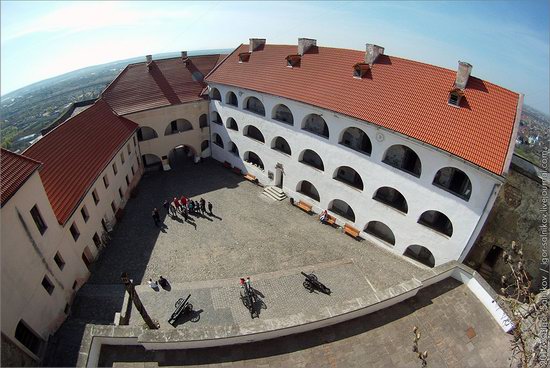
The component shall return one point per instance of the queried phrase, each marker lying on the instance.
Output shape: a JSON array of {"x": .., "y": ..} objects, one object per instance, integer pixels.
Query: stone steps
[{"x": 274, "y": 193}]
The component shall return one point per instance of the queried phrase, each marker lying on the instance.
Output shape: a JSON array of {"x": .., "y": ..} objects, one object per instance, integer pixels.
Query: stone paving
[{"x": 443, "y": 312}]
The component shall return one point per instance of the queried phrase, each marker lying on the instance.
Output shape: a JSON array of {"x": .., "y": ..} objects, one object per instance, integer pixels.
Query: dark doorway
[{"x": 493, "y": 256}]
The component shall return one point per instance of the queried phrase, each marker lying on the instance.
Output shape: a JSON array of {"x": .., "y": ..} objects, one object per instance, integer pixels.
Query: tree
[{"x": 528, "y": 313}]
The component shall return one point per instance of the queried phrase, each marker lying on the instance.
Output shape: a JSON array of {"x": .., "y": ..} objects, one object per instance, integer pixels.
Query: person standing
[
  {"x": 156, "y": 217},
  {"x": 183, "y": 201},
  {"x": 166, "y": 206},
  {"x": 203, "y": 206},
  {"x": 210, "y": 208},
  {"x": 185, "y": 214}
]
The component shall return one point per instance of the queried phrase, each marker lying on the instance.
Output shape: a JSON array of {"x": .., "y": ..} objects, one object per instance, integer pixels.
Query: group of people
[
  {"x": 155, "y": 284},
  {"x": 184, "y": 206}
]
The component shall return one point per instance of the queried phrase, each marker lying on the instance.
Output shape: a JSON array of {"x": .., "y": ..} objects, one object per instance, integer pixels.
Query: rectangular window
[
  {"x": 96, "y": 240},
  {"x": 47, "y": 284},
  {"x": 133, "y": 171},
  {"x": 95, "y": 196},
  {"x": 59, "y": 261},
  {"x": 106, "y": 181},
  {"x": 127, "y": 181},
  {"x": 113, "y": 207},
  {"x": 84, "y": 213},
  {"x": 75, "y": 283},
  {"x": 38, "y": 220},
  {"x": 129, "y": 151},
  {"x": 115, "y": 170},
  {"x": 74, "y": 231},
  {"x": 122, "y": 157},
  {"x": 120, "y": 193},
  {"x": 134, "y": 138},
  {"x": 28, "y": 338},
  {"x": 67, "y": 308}
]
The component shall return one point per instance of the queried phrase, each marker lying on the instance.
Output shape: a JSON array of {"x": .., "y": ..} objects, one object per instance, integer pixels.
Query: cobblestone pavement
[{"x": 443, "y": 312}]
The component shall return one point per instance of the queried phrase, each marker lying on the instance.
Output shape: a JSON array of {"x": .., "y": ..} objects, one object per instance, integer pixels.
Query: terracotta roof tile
[
  {"x": 76, "y": 152},
  {"x": 165, "y": 82},
  {"x": 14, "y": 171},
  {"x": 402, "y": 95}
]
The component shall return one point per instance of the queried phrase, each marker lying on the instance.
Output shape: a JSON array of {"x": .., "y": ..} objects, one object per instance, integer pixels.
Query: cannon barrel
[{"x": 306, "y": 275}]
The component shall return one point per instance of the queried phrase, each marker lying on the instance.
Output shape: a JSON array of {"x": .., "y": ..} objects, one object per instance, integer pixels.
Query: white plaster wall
[
  {"x": 420, "y": 194},
  {"x": 159, "y": 119},
  {"x": 24, "y": 266}
]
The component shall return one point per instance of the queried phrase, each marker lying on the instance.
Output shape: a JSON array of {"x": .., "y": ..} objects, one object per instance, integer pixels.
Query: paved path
[{"x": 443, "y": 313}]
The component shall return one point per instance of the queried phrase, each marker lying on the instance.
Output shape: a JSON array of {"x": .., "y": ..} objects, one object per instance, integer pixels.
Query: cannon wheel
[
  {"x": 308, "y": 286},
  {"x": 189, "y": 308}
]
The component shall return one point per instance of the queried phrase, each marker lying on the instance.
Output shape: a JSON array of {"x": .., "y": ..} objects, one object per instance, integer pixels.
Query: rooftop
[
  {"x": 15, "y": 169},
  {"x": 162, "y": 83},
  {"x": 72, "y": 158},
  {"x": 405, "y": 96}
]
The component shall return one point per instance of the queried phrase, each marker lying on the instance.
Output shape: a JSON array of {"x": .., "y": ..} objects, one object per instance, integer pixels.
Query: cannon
[
  {"x": 312, "y": 283},
  {"x": 182, "y": 307},
  {"x": 248, "y": 297}
]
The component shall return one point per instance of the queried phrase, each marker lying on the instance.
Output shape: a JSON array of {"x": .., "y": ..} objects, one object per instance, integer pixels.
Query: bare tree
[{"x": 526, "y": 311}]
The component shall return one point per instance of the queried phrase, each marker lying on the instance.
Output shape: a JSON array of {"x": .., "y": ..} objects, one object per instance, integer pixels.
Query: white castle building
[{"x": 409, "y": 154}]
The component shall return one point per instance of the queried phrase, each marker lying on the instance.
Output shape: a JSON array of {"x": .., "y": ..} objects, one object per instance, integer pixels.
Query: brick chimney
[
  {"x": 462, "y": 74},
  {"x": 256, "y": 43},
  {"x": 372, "y": 53},
  {"x": 304, "y": 44}
]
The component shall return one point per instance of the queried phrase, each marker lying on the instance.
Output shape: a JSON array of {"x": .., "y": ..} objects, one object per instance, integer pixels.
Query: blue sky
[{"x": 507, "y": 42}]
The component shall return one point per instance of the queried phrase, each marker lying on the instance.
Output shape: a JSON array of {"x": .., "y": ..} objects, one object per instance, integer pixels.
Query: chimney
[
  {"x": 149, "y": 59},
  {"x": 372, "y": 53},
  {"x": 256, "y": 43},
  {"x": 184, "y": 55},
  {"x": 462, "y": 74},
  {"x": 304, "y": 44}
]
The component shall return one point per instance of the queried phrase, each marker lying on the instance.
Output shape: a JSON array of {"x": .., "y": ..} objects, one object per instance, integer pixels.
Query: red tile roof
[
  {"x": 402, "y": 95},
  {"x": 76, "y": 152},
  {"x": 165, "y": 82},
  {"x": 15, "y": 170}
]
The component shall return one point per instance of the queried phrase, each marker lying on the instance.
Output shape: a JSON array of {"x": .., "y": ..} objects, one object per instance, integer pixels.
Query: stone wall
[
  {"x": 514, "y": 217},
  {"x": 12, "y": 356}
]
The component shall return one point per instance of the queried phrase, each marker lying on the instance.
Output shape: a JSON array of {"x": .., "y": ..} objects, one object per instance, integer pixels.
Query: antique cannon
[
  {"x": 182, "y": 307},
  {"x": 312, "y": 283}
]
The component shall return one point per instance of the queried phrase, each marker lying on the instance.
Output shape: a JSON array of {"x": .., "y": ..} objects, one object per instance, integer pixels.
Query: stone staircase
[{"x": 274, "y": 193}]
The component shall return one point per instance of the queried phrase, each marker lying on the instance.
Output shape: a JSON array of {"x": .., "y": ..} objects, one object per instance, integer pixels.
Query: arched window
[
  {"x": 218, "y": 141},
  {"x": 308, "y": 189},
  {"x": 283, "y": 114},
  {"x": 233, "y": 148},
  {"x": 204, "y": 145},
  {"x": 349, "y": 176},
  {"x": 215, "y": 94},
  {"x": 145, "y": 133},
  {"x": 381, "y": 231},
  {"x": 216, "y": 118},
  {"x": 178, "y": 126},
  {"x": 253, "y": 159},
  {"x": 455, "y": 181},
  {"x": 392, "y": 198},
  {"x": 232, "y": 124},
  {"x": 203, "y": 121},
  {"x": 252, "y": 132},
  {"x": 403, "y": 158},
  {"x": 281, "y": 145},
  {"x": 231, "y": 99},
  {"x": 254, "y": 105},
  {"x": 150, "y": 160},
  {"x": 312, "y": 159},
  {"x": 343, "y": 209},
  {"x": 357, "y": 140},
  {"x": 420, "y": 254},
  {"x": 437, "y": 221},
  {"x": 315, "y": 124}
]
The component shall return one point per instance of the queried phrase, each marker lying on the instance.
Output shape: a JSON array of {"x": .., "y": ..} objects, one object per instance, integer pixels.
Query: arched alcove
[
  {"x": 381, "y": 231},
  {"x": 437, "y": 221},
  {"x": 420, "y": 254},
  {"x": 357, "y": 140},
  {"x": 391, "y": 197},
  {"x": 403, "y": 158},
  {"x": 283, "y": 114},
  {"x": 315, "y": 124},
  {"x": 454, "y": 181},
  {"x": 349, "y": 176},
  {"x": 341, "y": 208},
  {"x": 280, "y": 144},
  {"x": 306, "y": 188},
  {"x": 311, "y": 158}
]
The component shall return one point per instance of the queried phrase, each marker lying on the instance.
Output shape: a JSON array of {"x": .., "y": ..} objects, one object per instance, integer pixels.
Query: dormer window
[
  {"x": 244, "y": 57},
  {"x": 455, "y": 95},
  {"x": 360, "y": 70},
  {"x": 293, "y": 61}
]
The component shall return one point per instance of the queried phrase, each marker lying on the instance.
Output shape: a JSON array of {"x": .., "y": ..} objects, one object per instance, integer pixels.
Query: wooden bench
[
  {"x": 304, "y": 206},
  {"x": 350, "y": 230},
  {"x": 251, "y": 178},
  {"x": 331, "y": 220},
  {"x": 237, "y": 171},
  {"x": 227, "y": 165}
]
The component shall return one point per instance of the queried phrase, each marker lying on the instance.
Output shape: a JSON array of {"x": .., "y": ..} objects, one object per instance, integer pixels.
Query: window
[
  {"x": 134, "y": 138},
  {"x": 216, "y": 118},
  {"x": 47, "y": 284},
  {"x": 312, "y": 159},
  {"x": 218, "y": 140},
  {"x": 84, "y": 213},
  {"x": 120, "y": 193},
  {"x": 115, "y": 170},
  {"x": 231, "y": 99},
  {"x": 361, "y": 70},
  {"x": 75, "y": 284},
  {"x": 280, "y": 144},
  {"x": 454, "y": 181},
  {"x": 437, "y": 221},
  {"x": 203, "y": 121},
  {"x": 253, "y": 159},
  {"x": 357, "y": 140},
  {"x": 252, "y": 132},
  {"x": 254, "y": 105},
  {"x": 315, "y": 124},
  {"x": 349, "y": 176},
  {"x": 96, "y": 240},
  {"x": 122, "y": 157},
  {"x": 392, "y": 198},
  {"x": 403, "y": 158},
  {"x": 113, "y": 207},
  {"x": 95, "y": 196},
  {"x": 106, "y": 181},
  {"x": 67, "y": 308},
  {"x": 215, "y": 95},
  {"x": 381, "y": 231},
  {"x": 127, "y": 180},
  {"x": 129, "y": 151},
  {"x": 133, "y": 171},
  {"x": 232, "y": 124},
  {"x": 38, "y": 220},
  {"x": 453, "y": 99},
  {"x": 28, "y": 338},
  {"x": 59, "y": 261},
  {"x": 74, "y": 231},
  {"x": 283, "y": 114}
]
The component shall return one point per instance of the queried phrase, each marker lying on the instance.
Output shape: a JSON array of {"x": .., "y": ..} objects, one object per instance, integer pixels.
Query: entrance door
[{"x": 279, "y": 176}]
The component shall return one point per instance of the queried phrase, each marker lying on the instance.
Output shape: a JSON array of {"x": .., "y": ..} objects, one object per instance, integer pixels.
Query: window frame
[{"x": 38, "y": 219}]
